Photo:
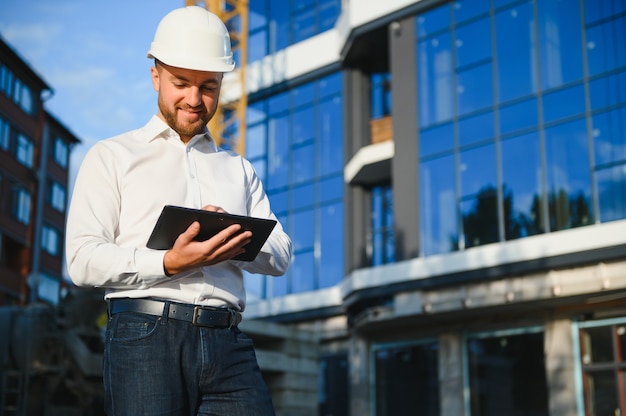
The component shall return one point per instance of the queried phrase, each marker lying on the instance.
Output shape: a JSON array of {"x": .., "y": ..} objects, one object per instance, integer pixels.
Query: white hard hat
[{"x": 193, "y": 38}]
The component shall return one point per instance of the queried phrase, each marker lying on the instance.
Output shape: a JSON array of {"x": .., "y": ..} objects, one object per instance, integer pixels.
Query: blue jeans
[{"x": 156, "y": 366}]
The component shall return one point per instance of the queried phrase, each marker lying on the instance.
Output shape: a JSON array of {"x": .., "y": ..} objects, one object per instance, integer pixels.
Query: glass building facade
[
  {"x": 295, "y": 141},
  {"x": 521, "y": 109},
  {"x": 447, "y": 289}
]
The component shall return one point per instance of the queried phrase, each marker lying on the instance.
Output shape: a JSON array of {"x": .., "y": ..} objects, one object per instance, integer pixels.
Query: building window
[
  {"x": 5, "y": 131},
  {"x": 507, "y": 374},
  {"x": 406, "y": 378},
  {"x": 334, "y": 385},
  {"x": 514, "y": 139},
  {"x": 21, "y": 205},
  {"x": 50, "y": 240},
  {"x": 57, "y": 196},
  {"x": 603, "y": 361},
  {"x": 61, "y": 152},
  {"x": 380, "y": 94},
  {"x": 382, "y": 241},
  {"x": 274, "y": 25},
  {"x": 16, "y": 89},
  {"x": 24, "y": 151},
  {"x": 23, "y": 96},
  {"x": 295, "y": 143},
  {"x": 6, "y": 80}
]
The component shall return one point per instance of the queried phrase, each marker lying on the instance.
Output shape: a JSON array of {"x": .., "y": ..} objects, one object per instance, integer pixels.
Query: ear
[{"x": 155, "y": 78}]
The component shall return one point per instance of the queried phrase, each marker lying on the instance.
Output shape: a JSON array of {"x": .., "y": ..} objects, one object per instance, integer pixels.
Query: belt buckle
[{"x": 196, "y": 313}]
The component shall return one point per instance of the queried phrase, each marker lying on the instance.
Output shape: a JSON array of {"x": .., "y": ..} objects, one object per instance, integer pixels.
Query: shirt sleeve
[
  {"x": 93, "y": 257},
  {"x": 275, "y": 255}
]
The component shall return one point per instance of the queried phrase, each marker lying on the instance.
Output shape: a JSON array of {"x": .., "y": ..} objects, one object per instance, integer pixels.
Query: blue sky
[{"x": 93, "y": 55}]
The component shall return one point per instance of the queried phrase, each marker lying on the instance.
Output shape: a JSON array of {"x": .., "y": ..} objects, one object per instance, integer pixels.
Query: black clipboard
[{"x": 174, "y": 220}]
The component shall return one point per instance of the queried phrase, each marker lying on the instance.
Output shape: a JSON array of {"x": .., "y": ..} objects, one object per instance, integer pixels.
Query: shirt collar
[{"x": 158, "y": 129}]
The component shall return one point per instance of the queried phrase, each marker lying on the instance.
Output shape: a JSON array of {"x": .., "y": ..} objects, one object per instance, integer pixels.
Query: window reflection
[
  {"x": 435, "y": 80},
  {"x": 568, "y": 175},
  {"x": 514, "y": 48},
  {"x": 296, "y": 145},
  {"x": 560, "y": 141},
  {"x": 438, "y": 221},
  {"x": 521, "y": 178},
  {"x": 559, "y": 43}
]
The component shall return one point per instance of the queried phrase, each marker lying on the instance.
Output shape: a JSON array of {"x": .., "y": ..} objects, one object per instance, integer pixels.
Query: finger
[
  {"x": 226, "y": 234},
  {"x": 213, "y": 208},
  {"x": 190, "y": 233}
]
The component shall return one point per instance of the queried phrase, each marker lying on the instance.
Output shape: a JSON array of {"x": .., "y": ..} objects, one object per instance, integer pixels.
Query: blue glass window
[
  {"x": 331, "y": 188},
  {"x": 476, "y": 128},
  {"x": 518, "y": 116},
  {"x": 521, "y": 186},
  {"x": 257, "y": 14},
  {"x": 331, "y": 244},
  {"x": 380, "y": 96},
  {"x": 303, "y": 94},
  {"x": 256, "y": 141},
  {"x": 433, "y": 21},
  {"x": 329, "y": 85},
  {"x": 303, "y": 166},
  {"x": 303, "y": 156},
  {"x": 303, "y": 125},
  {"x": 436, "y": 140},
  {"x": 280, "y": 27},
  {"x": 303, "y": 272},
  {"x": 609, "y": 141},
  {"x": 600, "y": 10},
  {"x": 479, "y": 202},
  {"x": 383, "y": 246},
  {"x": 257, "y": 45},
  {"x": 605, "y": 46},
  {"x": 564, "y": 103},
  {"x": 473, "y": 43},
  {"x": 329, "y": 10},
  {"x": 611, "y": 183},
  {"x": 303, "y": 20},
  {"x": 330, "y": 126},
  {"x": 435, "y": 82},
  {"x": 474, "y": 90},
  {"x": 303, "y": 230},
  {"x": 514, "y": 34},
  {"x": 438, "y": 204},
  {"x": 607, "y": 91},
  {"x": 569, "y": 180},
  {"x": 533, "y": 172},
  {"x": 468, "y": 9},
  {"x": 278, "y": 152},
  {"x": 303, "y": 196},
  {"x": 559, "y": 43},
  {"x": 609, "y": 137}
]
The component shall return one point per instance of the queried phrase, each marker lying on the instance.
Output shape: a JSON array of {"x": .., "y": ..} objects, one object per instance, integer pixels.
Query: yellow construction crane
[{"x": 231, "y": 116}]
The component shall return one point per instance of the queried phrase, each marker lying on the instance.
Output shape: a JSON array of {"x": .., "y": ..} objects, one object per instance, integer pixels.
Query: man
[{"x": 172, "y": 343}]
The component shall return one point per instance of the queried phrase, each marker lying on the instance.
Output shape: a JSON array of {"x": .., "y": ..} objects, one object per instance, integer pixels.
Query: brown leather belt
[{"x": 205, "y": 316}]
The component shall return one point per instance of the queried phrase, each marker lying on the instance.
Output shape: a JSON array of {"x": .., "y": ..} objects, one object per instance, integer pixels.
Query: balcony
[{"x": 371, "y": 165}]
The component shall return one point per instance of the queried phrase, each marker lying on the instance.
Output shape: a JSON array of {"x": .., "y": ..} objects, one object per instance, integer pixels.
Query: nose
[{"x": 194, "y": 96}]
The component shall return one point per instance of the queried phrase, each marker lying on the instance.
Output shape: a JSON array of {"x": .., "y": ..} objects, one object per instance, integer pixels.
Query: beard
[{"x": 183, "y": 128}]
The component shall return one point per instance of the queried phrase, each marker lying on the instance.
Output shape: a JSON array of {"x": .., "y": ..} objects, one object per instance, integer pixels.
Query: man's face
[{"x": 187, "y": 98}]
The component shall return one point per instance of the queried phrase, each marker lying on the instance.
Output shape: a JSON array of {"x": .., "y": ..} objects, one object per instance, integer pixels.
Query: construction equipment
[
  {"x": 228, "y": 126},
  {"x": 51, "y": 357}
]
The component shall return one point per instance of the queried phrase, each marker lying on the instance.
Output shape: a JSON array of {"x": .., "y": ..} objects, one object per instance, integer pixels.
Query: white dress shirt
[{"x": 121, "y": 188}]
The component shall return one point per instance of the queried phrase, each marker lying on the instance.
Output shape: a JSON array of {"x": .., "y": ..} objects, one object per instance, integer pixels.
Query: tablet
[{"x": 174, "y": 220}]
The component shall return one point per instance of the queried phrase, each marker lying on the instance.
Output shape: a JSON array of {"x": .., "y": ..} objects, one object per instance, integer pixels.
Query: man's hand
[{"x": 187, "y": 253}]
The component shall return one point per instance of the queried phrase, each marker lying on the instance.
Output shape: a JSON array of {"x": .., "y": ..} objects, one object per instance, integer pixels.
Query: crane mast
[{"x": 228, "y": 126}]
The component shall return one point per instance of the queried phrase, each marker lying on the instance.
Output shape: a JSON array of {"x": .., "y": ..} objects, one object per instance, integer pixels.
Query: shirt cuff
[{"x": 150, "y": 266}]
